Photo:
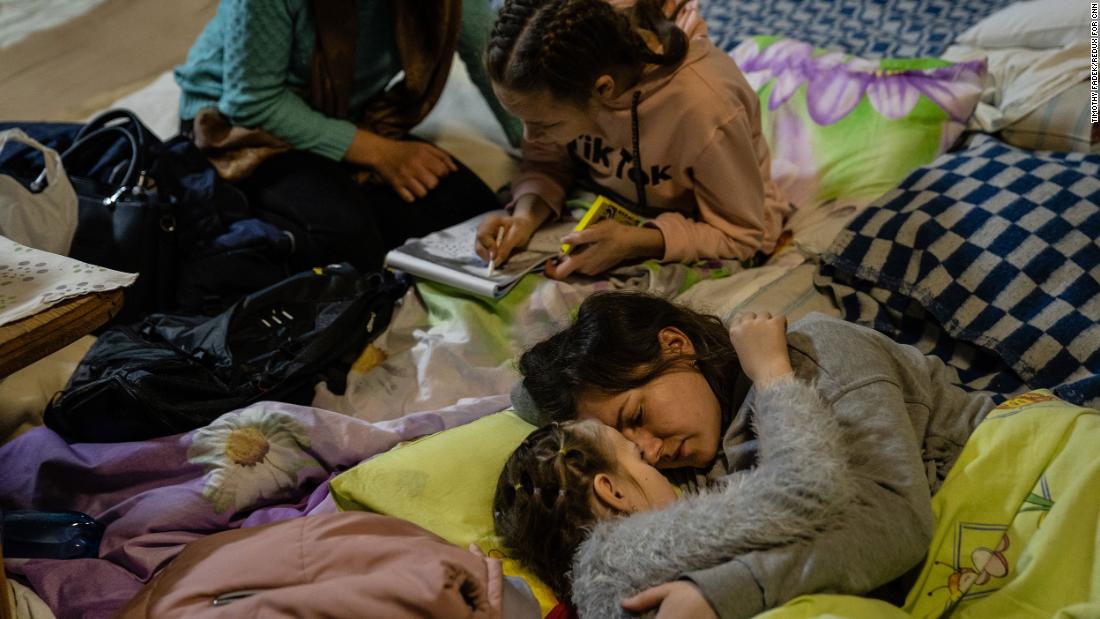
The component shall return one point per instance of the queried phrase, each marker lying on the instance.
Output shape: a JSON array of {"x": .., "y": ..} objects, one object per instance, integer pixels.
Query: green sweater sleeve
[
  {"x": 258, "y": 41},
  {"x": 477, "y": 21}
]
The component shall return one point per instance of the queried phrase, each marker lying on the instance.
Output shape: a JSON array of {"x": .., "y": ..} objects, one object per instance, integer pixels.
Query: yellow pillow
[{"x": 445, "y": 483}]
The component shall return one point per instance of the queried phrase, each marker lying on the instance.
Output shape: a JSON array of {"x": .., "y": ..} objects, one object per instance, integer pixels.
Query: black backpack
[{"x": 170, "y": 374}]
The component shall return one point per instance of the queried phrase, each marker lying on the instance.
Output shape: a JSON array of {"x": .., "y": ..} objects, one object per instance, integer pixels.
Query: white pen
[{"x": 492, "y": 250}]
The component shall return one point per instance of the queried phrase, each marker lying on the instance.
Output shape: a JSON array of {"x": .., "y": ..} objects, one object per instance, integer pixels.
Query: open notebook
[{"x": 448, "y": 257}]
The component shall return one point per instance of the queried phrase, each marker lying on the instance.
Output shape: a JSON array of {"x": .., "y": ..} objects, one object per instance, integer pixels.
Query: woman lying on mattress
[{"x": 815, "y": 454}]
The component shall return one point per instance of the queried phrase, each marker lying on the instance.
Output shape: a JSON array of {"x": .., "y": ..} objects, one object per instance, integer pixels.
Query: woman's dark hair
[
  {"x": 543, "y": 507},
  {"x": 565, "y": 45},
  {"x": 613, "y": 346}
]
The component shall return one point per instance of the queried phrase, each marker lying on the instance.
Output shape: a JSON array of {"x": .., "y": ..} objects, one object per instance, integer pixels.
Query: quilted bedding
[{"x": 990, "y": 259}]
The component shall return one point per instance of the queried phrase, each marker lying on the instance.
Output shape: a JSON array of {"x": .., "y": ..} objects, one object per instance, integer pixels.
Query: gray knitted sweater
[{"x": 815, "y": 489}]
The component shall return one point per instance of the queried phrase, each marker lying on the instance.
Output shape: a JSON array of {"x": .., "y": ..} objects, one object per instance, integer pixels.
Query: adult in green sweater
[{"x": 307, "y": 104}]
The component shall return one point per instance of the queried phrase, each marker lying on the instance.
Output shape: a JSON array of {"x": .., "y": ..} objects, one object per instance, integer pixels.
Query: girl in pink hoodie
[{"x": 625, "y": 101}]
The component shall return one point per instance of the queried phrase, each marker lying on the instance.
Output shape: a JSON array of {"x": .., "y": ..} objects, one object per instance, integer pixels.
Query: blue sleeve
[
  {"x": 258, "y": 41},
  {"x": 477, "y": 22}
]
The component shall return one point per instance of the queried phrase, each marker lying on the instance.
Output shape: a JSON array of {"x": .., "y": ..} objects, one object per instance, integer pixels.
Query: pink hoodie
[{"x": 705, "y": 162}]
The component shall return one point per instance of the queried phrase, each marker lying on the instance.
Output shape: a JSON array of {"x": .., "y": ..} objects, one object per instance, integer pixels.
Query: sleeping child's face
[{"x": 641, "y": 485}]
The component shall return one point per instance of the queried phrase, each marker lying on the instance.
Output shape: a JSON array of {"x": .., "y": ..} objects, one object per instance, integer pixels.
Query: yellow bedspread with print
[{"x": 1017, "y": 525}]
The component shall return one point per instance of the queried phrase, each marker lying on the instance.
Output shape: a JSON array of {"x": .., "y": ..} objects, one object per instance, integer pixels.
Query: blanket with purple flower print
[{"x": 261, "y": 464}]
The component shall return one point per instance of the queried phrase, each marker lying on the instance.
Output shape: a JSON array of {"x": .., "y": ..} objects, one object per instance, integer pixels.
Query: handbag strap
[
  {"x": 129, "y": 120},
  {"x": 132, "y": 170}
]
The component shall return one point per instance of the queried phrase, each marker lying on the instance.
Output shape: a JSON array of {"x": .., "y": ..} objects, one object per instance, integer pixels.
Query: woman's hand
[
  {"x": 761, "y": 344},
  {"x": 412, "y": 168},
  {"x": 600, "y": 247},
  {"x": 680, "y": 598}
]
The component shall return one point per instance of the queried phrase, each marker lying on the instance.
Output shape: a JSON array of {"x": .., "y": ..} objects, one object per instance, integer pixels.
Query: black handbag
[
  {"x": 124, "y": 222},
  {"x": 172, "y": 374},
  {"x": 158, "y": 209}
]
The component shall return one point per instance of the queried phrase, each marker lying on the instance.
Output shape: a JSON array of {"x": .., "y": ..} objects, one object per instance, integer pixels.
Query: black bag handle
[
  {"x": 130, "y": 120},
  {"x": 125, "y": 119},
  {"x": 132, "y": 168}
]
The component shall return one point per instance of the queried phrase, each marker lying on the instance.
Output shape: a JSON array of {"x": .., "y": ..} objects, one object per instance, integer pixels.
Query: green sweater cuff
[
  {"x": 304, "y": 128},
  {"x": 335, "y": 139}
]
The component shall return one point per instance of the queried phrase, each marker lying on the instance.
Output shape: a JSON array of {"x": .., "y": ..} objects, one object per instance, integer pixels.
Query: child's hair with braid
[
  {"x": 544, "y": 503},
  {"x": 563, "y": 46}
]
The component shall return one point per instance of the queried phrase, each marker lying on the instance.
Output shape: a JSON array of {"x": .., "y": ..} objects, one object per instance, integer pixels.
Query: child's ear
[
  {"x": 609, "y": 494},
  {"x": 604, "y": 88},
  {"x": 675, "y": 342}
]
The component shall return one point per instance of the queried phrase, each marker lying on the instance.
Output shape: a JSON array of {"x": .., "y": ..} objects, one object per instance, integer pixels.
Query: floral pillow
[{"x": 848, "y": 129}]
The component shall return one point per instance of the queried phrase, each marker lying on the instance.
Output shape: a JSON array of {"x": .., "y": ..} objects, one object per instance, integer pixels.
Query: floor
[{"x": 59, "y": 73}]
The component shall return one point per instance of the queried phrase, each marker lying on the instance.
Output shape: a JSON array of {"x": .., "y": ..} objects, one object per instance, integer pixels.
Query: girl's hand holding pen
[
  {"x": 603, "y": 245},
  {"x": 492, "y": 252},
  {"x": 500, "y": 234},
  {"x": 530, "y": 212}
]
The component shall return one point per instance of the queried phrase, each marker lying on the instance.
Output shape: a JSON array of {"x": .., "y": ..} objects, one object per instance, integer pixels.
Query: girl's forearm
[
  {"x": 647, "y": 243},
  {"x": 532, "y": 208}
]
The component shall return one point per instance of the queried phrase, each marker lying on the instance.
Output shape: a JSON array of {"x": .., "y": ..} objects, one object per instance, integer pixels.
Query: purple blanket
[{"x": 261, "y": 464}]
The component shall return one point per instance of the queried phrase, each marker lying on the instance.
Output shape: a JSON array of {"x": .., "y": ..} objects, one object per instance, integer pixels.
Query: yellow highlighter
[{"x": 604, "y": 208}]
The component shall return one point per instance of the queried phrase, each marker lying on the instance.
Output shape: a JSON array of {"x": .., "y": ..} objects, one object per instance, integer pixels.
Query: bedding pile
[
  {"x": 990, "y": 259},
  {"x": 262, "y": 464}
]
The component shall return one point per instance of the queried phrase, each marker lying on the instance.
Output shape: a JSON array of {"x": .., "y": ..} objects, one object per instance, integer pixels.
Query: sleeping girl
[{"x": 815, "y": 453}]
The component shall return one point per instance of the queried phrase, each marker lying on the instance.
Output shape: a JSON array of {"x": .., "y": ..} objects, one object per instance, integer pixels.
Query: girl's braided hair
[
  {"x": 543, "y": 507},
  {"x": 565, "y": 45}
]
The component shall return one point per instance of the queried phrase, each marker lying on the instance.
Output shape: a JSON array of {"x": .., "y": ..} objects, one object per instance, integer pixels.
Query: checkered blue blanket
[
  {"x": 988, "y": 258},
  {"x": 866, "y": 28}
]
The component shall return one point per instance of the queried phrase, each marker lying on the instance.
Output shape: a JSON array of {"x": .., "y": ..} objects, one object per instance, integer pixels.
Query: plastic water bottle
[{"x": 50, "y": 535}]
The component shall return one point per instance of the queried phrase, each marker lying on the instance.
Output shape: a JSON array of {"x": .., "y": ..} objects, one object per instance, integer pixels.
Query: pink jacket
[
  {"x": 705, "y": 162},
  {"x": 350, "y": 564}
]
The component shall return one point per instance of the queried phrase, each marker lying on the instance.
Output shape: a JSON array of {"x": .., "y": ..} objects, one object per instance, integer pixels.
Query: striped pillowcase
[{"x": 1061, "y": 124}]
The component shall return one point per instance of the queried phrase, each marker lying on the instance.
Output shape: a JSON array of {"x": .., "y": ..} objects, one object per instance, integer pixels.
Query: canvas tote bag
[{"x": 44, "y": 216}]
